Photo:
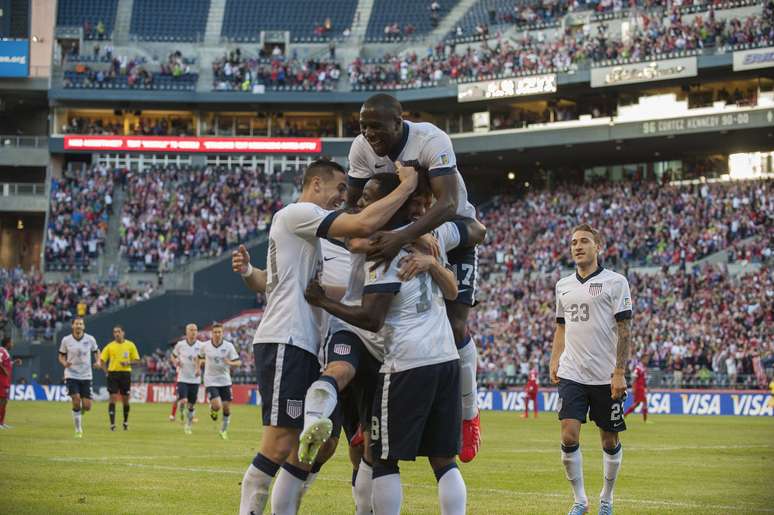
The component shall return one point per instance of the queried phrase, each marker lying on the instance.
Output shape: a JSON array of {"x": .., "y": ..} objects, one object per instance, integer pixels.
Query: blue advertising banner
[
  {"x": 14, "y": 58},
  {"x": 660, "y": 402}
]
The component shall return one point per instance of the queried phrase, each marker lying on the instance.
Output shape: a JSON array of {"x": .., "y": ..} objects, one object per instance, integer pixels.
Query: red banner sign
[{"x": 193, "y": 144}]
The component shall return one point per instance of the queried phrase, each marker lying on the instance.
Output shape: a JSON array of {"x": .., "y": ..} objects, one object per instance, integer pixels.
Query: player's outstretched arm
[
  {"x": 618, "y": 384},
  {"x": 376, "y": 215},
  {"x": 557, "y": 348},
  {"x": 254, "y": 278},
  {"x": 369, "y": 315}
]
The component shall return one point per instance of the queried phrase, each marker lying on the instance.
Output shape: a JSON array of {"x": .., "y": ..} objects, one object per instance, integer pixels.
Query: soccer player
[
  {"x": 6, "y": 374},
  {"x": 76, "y": 352},
  {"x": 185, "y": 357},
  {"x": 118, "y": 356},
  {"x": 385, "y": 139},
  {"x": 531, "y": 390},
  {"x": 588, "y": 360},
  {"x": 640, "y": 388},
  {"x": 417, "y": 406},
  {"x": 287, "y": 342},
  {"x": 218, "y": 356}
]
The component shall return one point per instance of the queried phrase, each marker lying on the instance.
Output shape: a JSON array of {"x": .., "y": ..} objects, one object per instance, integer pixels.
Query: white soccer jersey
[
  {"x": 294, "y": 258},
  {"x": 335, "y": 264},
  {"x": 448, "y": 236},
  {"x": 416, "y": 331},
  {"x": 216, "y": 371},
  {"x": 188, "y": 354},
  {"x": 79, "y": 353},
  {"x": 423, "y": 146},
  {"x": 589, "y": 309}
]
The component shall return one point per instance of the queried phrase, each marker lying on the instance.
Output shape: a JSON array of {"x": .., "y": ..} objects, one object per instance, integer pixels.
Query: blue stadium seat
[
  {"x": 170, "y": 20},
  {"x": 77, "y": 12},
  {"x": 244, "y": 20},
  {"x": 404, "y": 12}
]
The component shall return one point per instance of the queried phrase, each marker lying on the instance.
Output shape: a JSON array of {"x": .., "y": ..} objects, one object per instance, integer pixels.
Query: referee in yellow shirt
[{"x": 117, "y": 359}]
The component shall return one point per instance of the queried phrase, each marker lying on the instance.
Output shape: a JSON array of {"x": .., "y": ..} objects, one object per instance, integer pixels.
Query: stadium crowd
[
  {"x": 685, "y": 224},
  {"x": 143, "y": 127},
  {"x": 81, "y": 202},
  {"x": 39, "y": 308},
  {"x": 173, "y": 213},
  {"x": 235, "y": 72}
]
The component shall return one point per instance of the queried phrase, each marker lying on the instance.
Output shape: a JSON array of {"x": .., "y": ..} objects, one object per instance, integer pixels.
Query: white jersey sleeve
[
  {"x": 559, "y": 306},
  {"x": 622, "y": 299},
  {"x": 448, "y": 236},
  {"x": 381, "y": 280},
  {"x": 360, "y": 168},
  {"x": 233, "y": 354},
  {"x": 307, "y": 220},
  {"x": 437, "y": 155}
]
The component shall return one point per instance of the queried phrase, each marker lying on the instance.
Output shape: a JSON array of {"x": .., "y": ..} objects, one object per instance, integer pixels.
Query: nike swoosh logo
[
  {"x": 328, "y": 259},
  {"x": 565, "y": 292},
  {"x": 380, "y": 166}
]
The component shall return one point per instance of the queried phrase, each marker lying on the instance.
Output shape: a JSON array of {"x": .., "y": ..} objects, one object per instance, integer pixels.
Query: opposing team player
[
  {"x": 78, "y": 352},
  {"x": 217, "y": 356},
  {"x": 640, "y": 388},
  {"x": 185, "y": 357},
  {"x": 287, "y": 342},
  {"x": 385, "y": 139},
  {"x": 417, "y": 406},
  {"x": 591, "y": 346},
  {"x": 531, "y": 391},
  {"x": 6, "y": 375},
  {"x": 117, "y": 357}
]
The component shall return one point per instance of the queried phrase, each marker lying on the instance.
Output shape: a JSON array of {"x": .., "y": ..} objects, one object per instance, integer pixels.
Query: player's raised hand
[
  {"x": 314, "y": 293},
  {"x": 406, "y": 173},
  {"x": 618, "y": 385},
  {"x": 413, "y": 265},
  {"x": 240, "y": 260},
  {"x": 384, "y": 247},
  {"x": 427, "y": 244}
]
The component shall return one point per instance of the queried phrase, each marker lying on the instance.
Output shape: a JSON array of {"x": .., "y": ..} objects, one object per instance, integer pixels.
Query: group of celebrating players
[{"x": 369, "y": 280}]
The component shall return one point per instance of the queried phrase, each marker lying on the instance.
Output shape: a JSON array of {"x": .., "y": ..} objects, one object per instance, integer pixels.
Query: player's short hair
[
  {"x": 388, "y": 182},
  {"x": 588, "y": 228},
  {"x": 323, "y": 168},
  {"x": 217, "y": 325},
  {"x": 384, "y": 102},
  {"x": 119, "y": 326},
  {"x": 72, "y": 322}
]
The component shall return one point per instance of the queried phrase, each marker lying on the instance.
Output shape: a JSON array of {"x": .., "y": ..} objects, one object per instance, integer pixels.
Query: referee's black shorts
[{"x": 119, "y": 382}]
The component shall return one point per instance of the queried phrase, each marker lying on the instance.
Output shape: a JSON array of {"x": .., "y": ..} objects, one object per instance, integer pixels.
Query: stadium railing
[
  {"x": 23, "y": 141},
  {"x": 9, "y": 189}
]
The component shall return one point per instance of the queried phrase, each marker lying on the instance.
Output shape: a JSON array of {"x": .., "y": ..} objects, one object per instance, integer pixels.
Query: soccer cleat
[
  {"x": 214, "y": 415},
  {"x": 525, "y": 416},
  {"x": 126, "y": 426},
  {"x": 471, "y": 438},
  {"x": 223, "y": 435},
  {"x": 187, "y": 430},
  {"x": 578, "y": 509},
  {"x": 171, "y": 418},
  {"x": 112, "y": 427},
  {"x": 313, "y": 438},
  {"x": 605, "y": 507},
  {"x": 79, "y": 434}
]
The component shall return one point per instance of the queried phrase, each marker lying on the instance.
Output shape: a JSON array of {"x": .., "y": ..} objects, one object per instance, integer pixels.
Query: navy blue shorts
[
  {"x": 188, "y": 391},
  {"x": 285, "y": 373},
  {"x": 80, "y": 387},
  {"x": 119, "y": 382},
  {"x": 222, "y": 392},
  {"x": 418, "y": 412},
  {"x": 464, "y": 264},
  {"x": 576, "y": 400}
]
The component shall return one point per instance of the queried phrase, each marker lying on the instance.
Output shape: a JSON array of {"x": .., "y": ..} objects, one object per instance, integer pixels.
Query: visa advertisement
[{"x": 14, "y": 57}]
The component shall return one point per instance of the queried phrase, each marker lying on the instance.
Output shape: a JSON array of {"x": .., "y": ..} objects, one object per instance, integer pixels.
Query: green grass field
[{"x": 678, "y": 464}]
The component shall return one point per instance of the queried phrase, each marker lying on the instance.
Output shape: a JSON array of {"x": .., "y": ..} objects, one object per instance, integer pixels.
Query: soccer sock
[
  {"x": 126, "y": 413},
  {"x": 611, "y": 463},
  {"x": 321, "y": 399},
  {"x": 190, "y": 416},
  {"x": 77, "y": 420},
  {"x": 468, "y": 363},
  {"x": 112, "y": 413},
  {"x": 311, "y": 477},
  {"x": 645, "y": 411},
  {"x": 2, "y": 413},
  {"x": 361, "y": 490},
  {"x": 573, "y": 466},
  {"x": 451, "y": 490},
  {"x": 174, "y": 408},
  {"x": 286, "y": 494},
  {"x": 226, "y": 420},
  {"x": 255, "y": 485},
  {"x": 387, "y": 494}
]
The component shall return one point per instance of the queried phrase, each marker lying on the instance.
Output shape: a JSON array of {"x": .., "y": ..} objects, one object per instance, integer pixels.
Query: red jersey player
[
  {"x": 6, "y": 373},
  {"x": 531, "y": 390},
  {"x": 640, "y": 380}
]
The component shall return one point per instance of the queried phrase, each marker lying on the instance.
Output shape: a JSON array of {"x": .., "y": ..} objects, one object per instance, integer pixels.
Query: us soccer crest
[
  {"x": 294, "y": 409},
  {"x": 595, "y": 289}
]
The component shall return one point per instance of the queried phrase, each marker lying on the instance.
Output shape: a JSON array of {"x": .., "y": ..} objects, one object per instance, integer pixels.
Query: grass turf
[{"x": 679, "y": 464}]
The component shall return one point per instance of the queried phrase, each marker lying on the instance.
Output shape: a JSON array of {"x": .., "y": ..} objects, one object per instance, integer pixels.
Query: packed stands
[
  {"x": 170, "y": 20},
  {"x": 395, "y": 20},
  {"x": 96, "y": 17},
  {"x": 685, "y": 223},
  {"x": 81, "y": 202},
  {"x": 235, "y": 72},
  {"x": 40, "y": 307},
  {"x": 172, "y": 214},
  {"x": 306, "y": 20},
  {"x": 143, "y": 127}
]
